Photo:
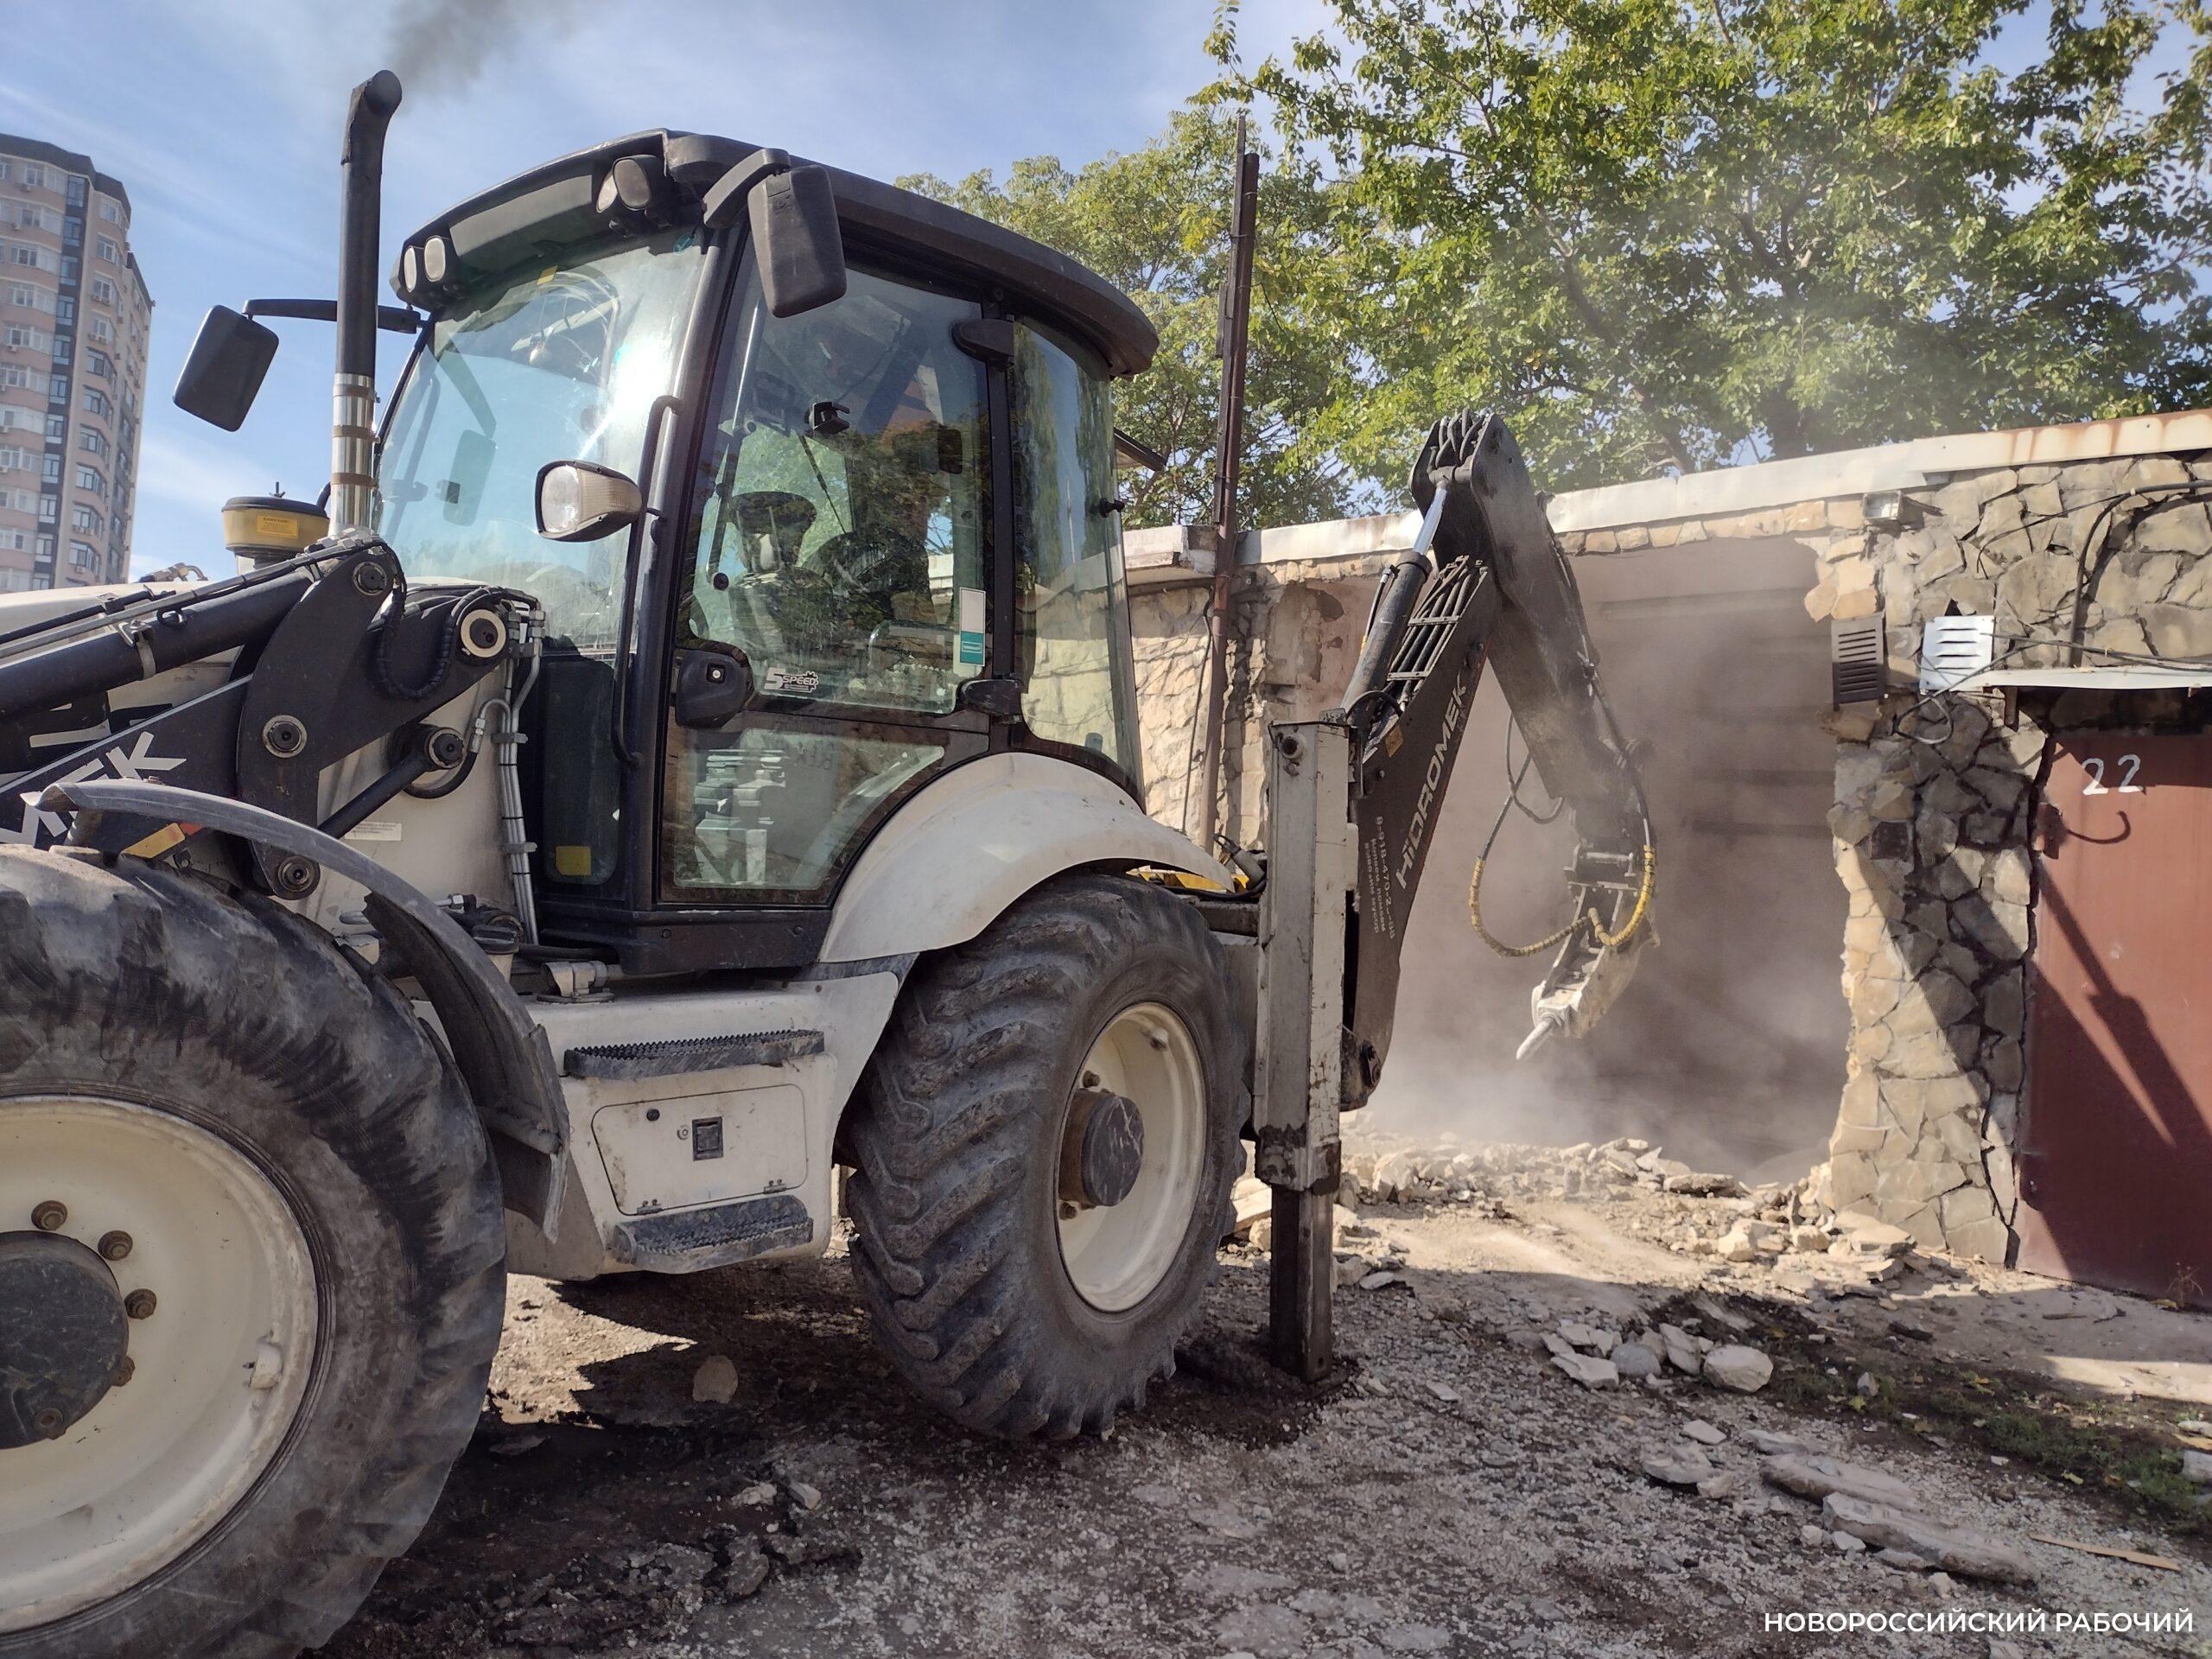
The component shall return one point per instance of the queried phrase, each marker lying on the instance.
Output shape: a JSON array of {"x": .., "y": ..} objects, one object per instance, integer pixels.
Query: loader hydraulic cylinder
[{"x": 168, "y": 639}]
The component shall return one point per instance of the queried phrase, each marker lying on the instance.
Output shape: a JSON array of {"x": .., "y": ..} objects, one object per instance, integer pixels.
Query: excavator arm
[
  {"x": 1484, "y": 586},
  {"x": 1354, "y": 799}
]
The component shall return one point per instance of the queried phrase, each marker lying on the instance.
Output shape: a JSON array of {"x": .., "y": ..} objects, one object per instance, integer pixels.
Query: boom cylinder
[
  {"x": 113, "y": 657},
  {"x": 353, "y": 393}
]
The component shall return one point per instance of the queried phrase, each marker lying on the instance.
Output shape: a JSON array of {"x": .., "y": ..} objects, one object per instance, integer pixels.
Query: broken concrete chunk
[
  {"x": 1955, "y": 1549},
  {"x": 1702, "y": 1432},
  {"x": 1634, "y": 1359},
  {"x": 1816, "y": 1476},
  {"x": 1582, "y": 1335},
  {"x": 1867, "y": 1237},
  {"x": 1590, "y": 1372},
  {"x": 1681, "y": 1349},
  {"x": 1685, "y": 1468},
  {"x": 1735, "y": 1366},
  {"x": 715, "y": 1380}
]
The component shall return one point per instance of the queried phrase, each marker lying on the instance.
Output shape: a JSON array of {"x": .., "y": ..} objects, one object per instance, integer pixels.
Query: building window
[
  {"x": 65, "y": 310},
  {"x": 88, "y": 477},
  {"x": 111, "y": 212},
  {"x": 83, "y": 556},
  {"x": 5, "y": 169},
  {"x": 83, "y": 518},
  {"x": 64, "y": 349},
  {"x": 49, "y": 508},
  {"x": 33, "y": 177},
  {"x": 69, "y": 269},
  {"x": 102, "y": 290},
  {"x": 103, "y": 330},
  {"x": 77, "y": 190},
  {"x": 96, "y": 401},
  {"x": 46, "y": 548},
  {"x": 93, "y": 441},
  {"x": 19, "y": 293},
  {"x": 107, "y": 251},
  {"x": 57, "y": 428},
  {"x": 49, "y": 467},
  {"x": 24, "y": 254}
]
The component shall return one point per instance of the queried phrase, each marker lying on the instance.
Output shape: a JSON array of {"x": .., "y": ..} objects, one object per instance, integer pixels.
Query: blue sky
[{"x": 221, "y": 119}]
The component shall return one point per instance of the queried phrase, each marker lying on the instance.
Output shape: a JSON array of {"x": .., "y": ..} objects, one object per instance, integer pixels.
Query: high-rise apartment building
[{"x": 74, "y": 319}]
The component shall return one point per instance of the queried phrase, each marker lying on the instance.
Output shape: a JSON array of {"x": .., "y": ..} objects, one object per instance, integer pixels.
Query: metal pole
[{"x": 1236, "y": 323}]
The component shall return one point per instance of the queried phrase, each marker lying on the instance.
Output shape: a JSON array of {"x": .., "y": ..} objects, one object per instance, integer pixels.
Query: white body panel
[
  {"x": 632, "y": 1153},
  {"x": 977, "y": 839}
]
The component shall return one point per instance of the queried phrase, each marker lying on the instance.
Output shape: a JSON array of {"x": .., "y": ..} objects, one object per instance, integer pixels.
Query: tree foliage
[
  {"x": 1673, "y": 233},
  {"x": 1154, "y": 222}
]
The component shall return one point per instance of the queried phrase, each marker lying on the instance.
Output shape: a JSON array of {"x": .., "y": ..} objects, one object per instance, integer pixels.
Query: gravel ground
[{"x": 1450, "y": 1490}]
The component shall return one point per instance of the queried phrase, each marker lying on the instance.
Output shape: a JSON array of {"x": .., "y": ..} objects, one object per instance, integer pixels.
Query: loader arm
[{"x": 1485, "y": 586}]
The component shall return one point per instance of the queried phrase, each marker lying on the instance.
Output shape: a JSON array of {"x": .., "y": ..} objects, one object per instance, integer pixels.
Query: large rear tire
[
  {"x": 308, "y": 1197},
  {"x": 1012, "y": 1308}
]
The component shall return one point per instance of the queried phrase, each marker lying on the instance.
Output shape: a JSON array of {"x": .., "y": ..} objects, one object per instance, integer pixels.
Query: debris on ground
[{"x": 1446, "y": 1491}]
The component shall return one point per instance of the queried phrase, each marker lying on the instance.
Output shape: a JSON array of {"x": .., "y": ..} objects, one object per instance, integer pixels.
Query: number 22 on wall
[{"x": 2127, "y": 766}]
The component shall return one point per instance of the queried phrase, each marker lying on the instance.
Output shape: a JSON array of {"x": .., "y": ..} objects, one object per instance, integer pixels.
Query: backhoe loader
[{"x": 692, "y": 752}]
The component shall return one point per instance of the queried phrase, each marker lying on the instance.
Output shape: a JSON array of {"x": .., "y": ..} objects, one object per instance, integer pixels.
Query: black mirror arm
[{"x": 392, "y": 319}]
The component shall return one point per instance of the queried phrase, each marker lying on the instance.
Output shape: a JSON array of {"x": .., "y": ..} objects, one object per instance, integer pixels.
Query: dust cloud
[{"x": 1728, "y": 1045}]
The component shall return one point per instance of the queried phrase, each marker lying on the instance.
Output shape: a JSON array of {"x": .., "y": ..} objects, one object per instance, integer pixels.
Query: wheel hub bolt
[
  {"x": 139, "y": 1304},
  {"x": 115, "y": 1246},
  {"x": 48, "y": 1423},
  {"x": 126, "y": 1369},
  {"x": 48, "y": 1216}
]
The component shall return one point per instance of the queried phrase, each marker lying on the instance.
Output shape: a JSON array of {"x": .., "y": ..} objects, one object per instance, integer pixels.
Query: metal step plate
[
  {"x": 679, "y": 1057},
  {"x": 688, "y": 1240}
]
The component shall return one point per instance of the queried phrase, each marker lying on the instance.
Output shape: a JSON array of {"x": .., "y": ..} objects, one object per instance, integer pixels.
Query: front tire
[
  {"x": 1015, "y": 1308},
  {"x": 310, "y": 1201}
]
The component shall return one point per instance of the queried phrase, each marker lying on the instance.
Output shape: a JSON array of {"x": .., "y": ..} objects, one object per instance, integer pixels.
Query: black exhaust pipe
[{"x": 353, "y": 447}]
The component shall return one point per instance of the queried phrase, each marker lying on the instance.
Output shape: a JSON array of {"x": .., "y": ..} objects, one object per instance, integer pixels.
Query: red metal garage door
[{"x": 2116, "y": 1179}]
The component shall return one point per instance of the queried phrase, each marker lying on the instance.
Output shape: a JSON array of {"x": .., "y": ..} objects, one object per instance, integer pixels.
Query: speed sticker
[{"x": 793, "y": 681}]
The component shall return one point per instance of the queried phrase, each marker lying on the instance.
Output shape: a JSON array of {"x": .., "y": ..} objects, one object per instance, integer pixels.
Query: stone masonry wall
[{"x": 1934, "y": 799}]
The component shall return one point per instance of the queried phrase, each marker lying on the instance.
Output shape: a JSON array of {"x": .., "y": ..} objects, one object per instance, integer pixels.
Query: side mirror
[
  {"x": 583, "y": 501},
  {"x": 796, "y": 241},
  {"x": 223, "y": 373}
]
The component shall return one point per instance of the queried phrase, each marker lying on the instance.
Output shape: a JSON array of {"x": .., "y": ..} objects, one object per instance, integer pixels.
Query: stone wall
[{"x": 1935, "y": 797}]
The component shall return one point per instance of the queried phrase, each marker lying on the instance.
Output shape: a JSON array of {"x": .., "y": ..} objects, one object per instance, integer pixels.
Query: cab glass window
[
  {"x": 1071, "y": 609},
  {"x": 839, "y": 541}
]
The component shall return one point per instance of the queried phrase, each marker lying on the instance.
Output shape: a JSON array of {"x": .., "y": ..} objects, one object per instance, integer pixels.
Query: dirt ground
[{"x": 1450, "y": 1490}]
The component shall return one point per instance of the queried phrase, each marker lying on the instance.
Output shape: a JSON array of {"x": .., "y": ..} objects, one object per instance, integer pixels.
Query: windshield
[{"x": 557, "y": 362}]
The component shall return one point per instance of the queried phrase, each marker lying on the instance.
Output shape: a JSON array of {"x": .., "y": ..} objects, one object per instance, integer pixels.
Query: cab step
[
  {"x": 678, "y": 1057},
  {"x": 686, "y": 1241}
]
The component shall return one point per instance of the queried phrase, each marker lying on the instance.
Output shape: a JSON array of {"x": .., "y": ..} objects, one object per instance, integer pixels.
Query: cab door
[{"x": 831, "y": 593}]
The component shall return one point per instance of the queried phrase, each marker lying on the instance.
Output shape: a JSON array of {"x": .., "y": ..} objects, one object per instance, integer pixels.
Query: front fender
[
  {"x": 975, "y": 841},
  {"x": 500, "y": 1051}
]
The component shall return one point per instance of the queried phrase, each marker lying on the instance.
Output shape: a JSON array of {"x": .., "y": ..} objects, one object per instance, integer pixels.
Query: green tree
[
  {"x": 1154, "y": 222},
  {"x": 1675, "y": 233}
]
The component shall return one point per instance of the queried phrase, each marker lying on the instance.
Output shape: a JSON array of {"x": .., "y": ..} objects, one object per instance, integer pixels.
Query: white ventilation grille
[{"x": 1953, "y": 649}]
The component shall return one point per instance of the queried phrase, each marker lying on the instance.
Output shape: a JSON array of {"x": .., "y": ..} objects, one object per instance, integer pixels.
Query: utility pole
[{"x": 1229, "y": 443}]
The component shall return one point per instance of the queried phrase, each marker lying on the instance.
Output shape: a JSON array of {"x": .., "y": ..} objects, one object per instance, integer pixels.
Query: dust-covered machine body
[{"x": 700, "y": 759}]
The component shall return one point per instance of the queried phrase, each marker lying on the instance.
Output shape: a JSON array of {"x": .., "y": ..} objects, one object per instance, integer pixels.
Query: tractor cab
[{"x": 814, "y": 480}]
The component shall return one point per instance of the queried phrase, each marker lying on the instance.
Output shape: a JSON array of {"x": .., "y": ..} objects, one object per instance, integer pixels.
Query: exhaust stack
[{"x": 353, "y": 396}]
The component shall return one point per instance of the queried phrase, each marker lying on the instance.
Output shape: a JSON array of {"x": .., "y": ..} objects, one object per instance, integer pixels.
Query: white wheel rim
[
  {"x": 220, "y": 1365},
  {"x": 1116, "y": 1255}
]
